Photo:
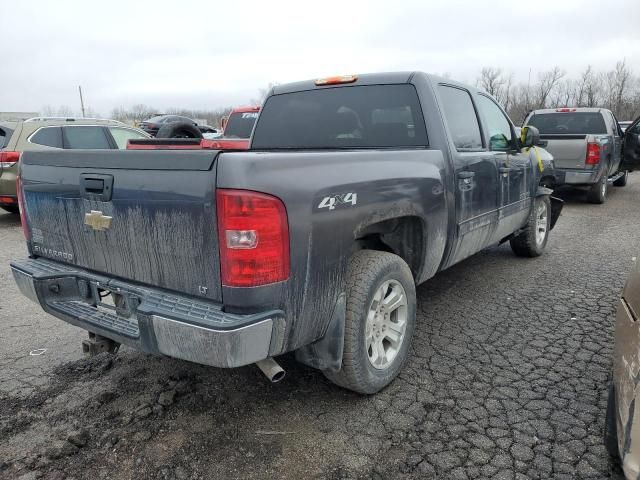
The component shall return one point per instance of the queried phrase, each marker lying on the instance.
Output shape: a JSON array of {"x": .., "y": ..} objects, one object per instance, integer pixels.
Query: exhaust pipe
[{"x": 271, "y": 369}]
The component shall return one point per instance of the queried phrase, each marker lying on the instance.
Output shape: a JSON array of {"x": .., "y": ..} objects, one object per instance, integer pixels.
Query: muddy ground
[{"x": 507, "y": 380}]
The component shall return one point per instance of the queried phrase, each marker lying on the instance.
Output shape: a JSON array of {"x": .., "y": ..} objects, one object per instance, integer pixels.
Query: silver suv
[{"x": 43, "y": 133}]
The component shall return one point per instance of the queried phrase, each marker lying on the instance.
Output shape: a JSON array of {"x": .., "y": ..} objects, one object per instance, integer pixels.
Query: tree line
[{"x": 617, "y": 90}]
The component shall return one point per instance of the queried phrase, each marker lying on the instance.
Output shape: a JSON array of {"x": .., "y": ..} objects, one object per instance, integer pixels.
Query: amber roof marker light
[{"x": 337, "y": 80}]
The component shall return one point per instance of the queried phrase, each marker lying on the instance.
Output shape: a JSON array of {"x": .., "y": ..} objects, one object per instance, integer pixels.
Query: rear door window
[
  {"x": 48, "y": 136},
  {"x": 370, "y": 116},
  {"x": 569, "y": 123},
  {"x": 461, "y": 118},
  {"x": 86, "y": 137},
  {"x": 122, "y": 135}
]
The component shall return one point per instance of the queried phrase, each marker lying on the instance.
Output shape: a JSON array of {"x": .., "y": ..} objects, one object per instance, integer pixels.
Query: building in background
[{"x": 17, "y": 116}]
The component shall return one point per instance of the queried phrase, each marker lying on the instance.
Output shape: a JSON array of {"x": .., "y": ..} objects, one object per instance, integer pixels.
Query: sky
[{"x": 211, "y": 54}]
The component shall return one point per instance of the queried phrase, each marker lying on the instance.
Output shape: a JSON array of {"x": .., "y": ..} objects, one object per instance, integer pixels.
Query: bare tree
[
  {"x": 547, "y": 82},
  {"x": 140, "y": 112},
  {"x": 617, "y": 83},
  {"x": 491, "y": 81},
  {"x": 262, "y": 94}
]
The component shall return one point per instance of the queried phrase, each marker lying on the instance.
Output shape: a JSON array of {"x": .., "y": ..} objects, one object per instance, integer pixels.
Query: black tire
[
  {"x": 11, "y": 209},
  {"x": 598, "y": 192},
  {"x": 610, "y": 424},
  {"x": 179, "y": 130},
  {"x": 368, "y": 270},
  {"x": 526, "y": 244},
  {"x": 622, "y": 181}
]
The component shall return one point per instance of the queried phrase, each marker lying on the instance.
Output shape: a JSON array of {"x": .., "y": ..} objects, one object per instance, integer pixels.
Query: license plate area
[{"x": 124, "y": 304}]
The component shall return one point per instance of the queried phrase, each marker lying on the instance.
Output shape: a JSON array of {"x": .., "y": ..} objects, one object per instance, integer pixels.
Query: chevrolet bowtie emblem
[{"x": 97, "y": 220}]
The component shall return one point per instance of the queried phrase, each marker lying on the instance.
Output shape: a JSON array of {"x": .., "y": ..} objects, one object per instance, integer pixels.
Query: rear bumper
[
  {"x": 577, "y": 177},
  {"x": 8, "y": 181},
  {"x": 151, "y": 320}
]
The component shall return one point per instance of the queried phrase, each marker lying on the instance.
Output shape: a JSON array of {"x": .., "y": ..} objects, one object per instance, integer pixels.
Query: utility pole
[{"x": 81, "y": 100}]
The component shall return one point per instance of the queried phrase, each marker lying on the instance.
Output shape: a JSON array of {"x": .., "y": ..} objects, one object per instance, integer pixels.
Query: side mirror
[{"x": 529, "y": 136}]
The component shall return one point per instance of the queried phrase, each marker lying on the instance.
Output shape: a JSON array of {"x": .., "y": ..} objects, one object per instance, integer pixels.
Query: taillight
[
  {"x": 7, "y": 159},
  {"x": 593, "y": 154},
  {"x": 23, "y": 215},
  {"x": 254, "y": 238}
]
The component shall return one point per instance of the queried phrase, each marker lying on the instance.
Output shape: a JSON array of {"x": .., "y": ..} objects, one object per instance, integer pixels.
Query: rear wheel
[
  {"x": 533, "y": 239},
  {"x": 598, "y": 192},
  {"x": 622, "y": 181},
  {"x": 379, "y": 322}
]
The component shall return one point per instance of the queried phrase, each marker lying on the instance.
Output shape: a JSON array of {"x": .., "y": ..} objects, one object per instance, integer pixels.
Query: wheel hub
[
  {"x": 386, "y": 324},
  {"x": 541, "y": 223}
]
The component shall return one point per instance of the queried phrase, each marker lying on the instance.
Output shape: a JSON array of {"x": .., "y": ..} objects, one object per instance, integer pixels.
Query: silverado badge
[{"x": 97, "y": 220}]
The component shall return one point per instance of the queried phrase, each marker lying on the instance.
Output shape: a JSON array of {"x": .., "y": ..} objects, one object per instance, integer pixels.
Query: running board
[{"x": 615, "y": 177}]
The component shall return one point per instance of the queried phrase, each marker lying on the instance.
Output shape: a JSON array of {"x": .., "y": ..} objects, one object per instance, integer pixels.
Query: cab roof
[{"x": 385, "y": 78}]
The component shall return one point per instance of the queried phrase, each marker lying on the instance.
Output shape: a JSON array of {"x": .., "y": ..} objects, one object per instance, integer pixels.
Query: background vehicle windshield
[
  {"x": 343, "y": 117},
  {"x": 569, "y": 123}
]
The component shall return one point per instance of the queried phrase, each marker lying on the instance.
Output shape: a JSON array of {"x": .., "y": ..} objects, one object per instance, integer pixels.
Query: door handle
[
  {"x": 466, "y": 174},
  {"x": 96, "y": 186}
]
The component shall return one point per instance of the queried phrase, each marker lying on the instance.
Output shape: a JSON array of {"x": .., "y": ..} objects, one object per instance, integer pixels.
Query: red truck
[{"x": 237, "y": 130}]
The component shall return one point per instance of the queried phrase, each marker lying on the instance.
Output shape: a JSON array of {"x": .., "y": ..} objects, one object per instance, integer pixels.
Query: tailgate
[
  {"x": 569, "y": 151},
  {"x": 145, "y": 216}
]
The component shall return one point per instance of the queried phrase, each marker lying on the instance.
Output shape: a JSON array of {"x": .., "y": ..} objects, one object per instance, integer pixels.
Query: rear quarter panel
[{"x": 387, "y": 184}]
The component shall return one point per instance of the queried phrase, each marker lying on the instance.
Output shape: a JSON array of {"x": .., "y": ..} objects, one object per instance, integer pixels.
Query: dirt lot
[{"x": 507, "y": 380}]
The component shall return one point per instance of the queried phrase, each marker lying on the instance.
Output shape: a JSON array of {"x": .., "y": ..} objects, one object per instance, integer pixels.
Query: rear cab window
[
  {"x": 569, "y": 123},
  {"x": 368, "y": 116}
]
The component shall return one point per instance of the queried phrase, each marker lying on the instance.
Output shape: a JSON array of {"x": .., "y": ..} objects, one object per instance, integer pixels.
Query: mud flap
[
  {"x": 556, "y": 204},
  {"x": 556, "y": 208},
  {"x": 326, "y": 353}
]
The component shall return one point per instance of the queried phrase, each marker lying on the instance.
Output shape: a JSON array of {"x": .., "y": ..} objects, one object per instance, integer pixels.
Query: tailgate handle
[{"x": 96, "y": 186}]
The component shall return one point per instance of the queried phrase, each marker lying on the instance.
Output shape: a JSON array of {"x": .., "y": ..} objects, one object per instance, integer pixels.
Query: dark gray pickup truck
[{"x": 354, "y": 190}]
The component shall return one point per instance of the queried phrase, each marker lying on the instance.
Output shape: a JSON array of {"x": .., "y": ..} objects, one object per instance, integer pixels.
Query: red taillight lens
[
  {"x": 23, "y": 215},
  {"x": 9, "y": 158},
  {"x": 593, "y": 154},
  {"x": 254, "y": 238}
]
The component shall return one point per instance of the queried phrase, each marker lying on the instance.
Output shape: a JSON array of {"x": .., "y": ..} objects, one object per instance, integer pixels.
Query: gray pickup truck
[
  {"x": 354, "y": 190},
  {"x": 586, "y": 144}
]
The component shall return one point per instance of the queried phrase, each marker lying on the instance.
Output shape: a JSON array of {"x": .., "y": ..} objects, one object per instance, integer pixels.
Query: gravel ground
[{"x": 507, "y": 380}]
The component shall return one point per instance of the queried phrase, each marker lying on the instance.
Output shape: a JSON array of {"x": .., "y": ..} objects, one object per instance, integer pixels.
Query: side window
[
  {"x": 89, "y": 137},
  {"x": 48, "y": 136},
  {"x": 461, "y": 118},
  {"x": 499, "y": 127},
  {"x": 122, "y": 136}
]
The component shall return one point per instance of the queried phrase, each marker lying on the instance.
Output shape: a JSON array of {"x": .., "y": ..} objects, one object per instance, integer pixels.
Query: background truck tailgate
[{"x": 162, "y": 230}]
